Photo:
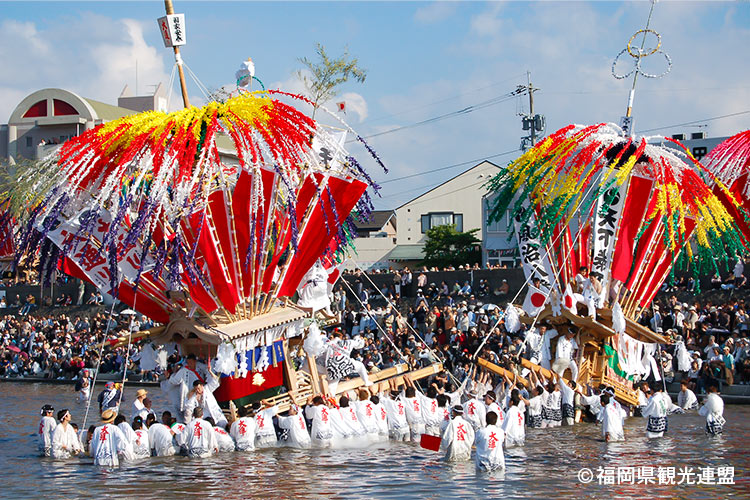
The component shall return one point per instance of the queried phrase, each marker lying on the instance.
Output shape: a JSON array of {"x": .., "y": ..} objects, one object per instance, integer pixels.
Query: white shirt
[
  {"x": 243, "y": 432},
  {"x": 264, "y": 430},
  {"x": 712, "y": 408},
  {"x": 139, "y": 410},
  {"x": 396, "y": 411},
  {"x": 686, "y": 399},
  {"x": 297, "y": 435},
  {"x": 65, "y": 441},
  {"x": 129, "y": 434},
  {"x": 107, "y": 442},
  {"x": 474, "y": 413},
  {"x": 458, "y": 439},
  {"x": 349, "y": 416},
  {"x": 612, "y": 417},
  {"x": 489, "y": 442},
  {"x": 413, "y": 410},
  {"x": 565, "y": 348},
  {"x": 494, "y": 407},
  {"x": 367, "y": 416},
  {"x": 199, "y": 438},
  {"x": 322, "y": 431},
  {"x": 513, "y": 426},
  {"x": 47, "y": 426},
  {"x": 141, "y": 445},
  {"x": 223, "y": 440},
  {"x": 161, "y": 440}
]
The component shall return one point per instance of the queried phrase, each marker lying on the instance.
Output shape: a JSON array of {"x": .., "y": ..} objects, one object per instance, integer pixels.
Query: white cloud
[
  {"x": 435, "y": 12},
  {"x": 354, "y": 103},
  {"x": 92, "y": 55}
]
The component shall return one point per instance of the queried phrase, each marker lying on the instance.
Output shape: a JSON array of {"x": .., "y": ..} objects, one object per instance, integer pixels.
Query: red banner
[{"x": 634, "y": 211}]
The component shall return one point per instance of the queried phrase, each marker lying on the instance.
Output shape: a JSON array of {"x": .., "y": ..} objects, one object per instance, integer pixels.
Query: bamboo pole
[{"x": 178, "y": 59}]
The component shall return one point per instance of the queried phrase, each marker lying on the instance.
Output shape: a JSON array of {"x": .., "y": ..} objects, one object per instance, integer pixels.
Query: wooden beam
[{"x": 502, "y": 371}]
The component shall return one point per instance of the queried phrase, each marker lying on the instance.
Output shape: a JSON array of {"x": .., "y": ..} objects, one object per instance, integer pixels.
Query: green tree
[
  {"x": 445, "y": 247},
  {"x": 328, "y": 74}
]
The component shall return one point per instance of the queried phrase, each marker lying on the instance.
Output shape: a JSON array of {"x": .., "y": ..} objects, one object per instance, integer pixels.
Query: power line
[
  {"x": 469, "y": 109},
  {"x": 514, "y": 77},
  {"x": 694, "y": 121},
  {"x": 448, "y": 167}
]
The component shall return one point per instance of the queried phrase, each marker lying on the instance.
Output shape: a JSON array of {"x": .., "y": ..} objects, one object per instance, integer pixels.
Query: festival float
[
  {"x": 625, "y": 208},
  {"x": 729, "y": 163},
  {"x": 212, "y": 246}
]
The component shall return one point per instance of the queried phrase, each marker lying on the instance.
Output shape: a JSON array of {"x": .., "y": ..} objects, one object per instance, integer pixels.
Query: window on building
[
  {"x": 38, "y": 109},
  {"x": 28, "y": 141},
  {"x": 501, "y": 225},
  {"x": 431, "y": 220},
  {"x": 62, "y": 108}
]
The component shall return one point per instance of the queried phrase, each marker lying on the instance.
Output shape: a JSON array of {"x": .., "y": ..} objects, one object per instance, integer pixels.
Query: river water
[{"x": 546, "y": 467}]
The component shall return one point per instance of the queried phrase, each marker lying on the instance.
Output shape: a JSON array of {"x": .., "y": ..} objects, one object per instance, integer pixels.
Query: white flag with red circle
[{"x": 535, "y": 300}]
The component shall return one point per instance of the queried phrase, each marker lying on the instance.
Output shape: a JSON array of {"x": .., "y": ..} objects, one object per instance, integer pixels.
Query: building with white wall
[
  {"x": 376, "y": 239},
  {"x": 457, "y": 201}
]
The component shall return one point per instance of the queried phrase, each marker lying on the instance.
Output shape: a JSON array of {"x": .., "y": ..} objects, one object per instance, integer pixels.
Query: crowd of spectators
[{"x": 418, "y": 322}]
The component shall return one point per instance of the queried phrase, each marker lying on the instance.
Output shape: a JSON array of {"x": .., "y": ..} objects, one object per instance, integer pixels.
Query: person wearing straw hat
[
  {"x": 47, "y": 426},
  {"x": 108, "y": 441},
  {"x": 458, "y": 437},
  {"x": 139, "y": 408},
  {"x": 65, "y": 442}
]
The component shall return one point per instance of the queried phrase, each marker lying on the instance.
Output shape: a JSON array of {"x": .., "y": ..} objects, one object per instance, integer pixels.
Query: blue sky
[{"x": 424, "y": 59}]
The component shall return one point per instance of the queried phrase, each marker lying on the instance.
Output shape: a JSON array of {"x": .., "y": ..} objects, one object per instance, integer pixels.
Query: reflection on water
[{"x": 546, "y": 467}]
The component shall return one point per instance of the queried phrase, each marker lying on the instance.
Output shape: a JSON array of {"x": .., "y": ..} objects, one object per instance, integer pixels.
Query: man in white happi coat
[
  {"x": 350, "y": 419},
  {"x": 322, "y": 430},
  {"x": 566, "y": 346},
  {"x": 108, "y": 442},
  {"x": 179, "y": 386},
  {"x": 198, "y": 436},
  {"x": 458, "y": 437},
  {"x": 489, "y": 443},
  {"x": 161, "y": 439},
  {"x": 366, "y": 414},
  {"x": 490, "y": 404},
  {"x": 339, "y": 363},
  {"x": 243, "y": 430},
  {"x": 474, "y": 411},
  {"x": 128, "y": 455},
  {"x": 612, "y": 417},
  {"x": 47, "y": 426},
  {"x": 686, "y": 398},
  {"x": 203, "y": 397},
  {"x": 659, "y": 406},
  {"x": 713, "y": 410},
  {"x": 431, "y": 413},
  {"x": 398, "y": 426},
  {"x": 295, "y": 426},
  {"x": 141, "y": 445},
  {"x": 224, "y": 441},
  {"x": 315, "y": 291},
  {"x": 513, "y": 424},
  {"x": 265, "y": 432},
  {"x": 65, "y": 442},
  {"x": 414, "y": 414}
]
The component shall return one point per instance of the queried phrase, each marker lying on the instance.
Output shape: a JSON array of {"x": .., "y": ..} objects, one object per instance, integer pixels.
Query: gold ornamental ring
[{"x": 645, "y": 31}]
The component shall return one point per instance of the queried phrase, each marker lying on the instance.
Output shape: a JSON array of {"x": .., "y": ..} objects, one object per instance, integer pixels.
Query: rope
[
  {"x": 432, "y": 351},
  {"x": 96, "y": 372},
  {"x": 170, "y": 84},
  {"x": 531, "y": 276},
  {"x": 204, "y": 90},
  {"x": 376, "y": 323}
]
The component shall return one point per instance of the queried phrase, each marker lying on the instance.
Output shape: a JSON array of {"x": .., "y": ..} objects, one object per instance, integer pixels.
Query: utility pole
[
  {"x": 532, "y": 122},
  {"x": 178, "y": 59},
  {"x": 531, "y": 106}
]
